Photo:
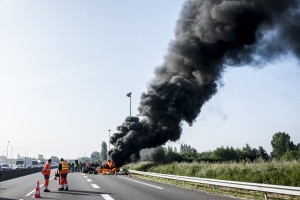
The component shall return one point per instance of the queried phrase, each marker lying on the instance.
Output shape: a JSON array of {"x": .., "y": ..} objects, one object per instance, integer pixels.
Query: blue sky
[{"x": 66, "y": 67}]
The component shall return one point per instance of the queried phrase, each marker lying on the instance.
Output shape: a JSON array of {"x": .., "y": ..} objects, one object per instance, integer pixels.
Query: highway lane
[
  {"x": 122, "y": 187},
  {"x": 99, "y": 187},
  {"x": 24, "y": 188},
  {"x": 17, "y": 188}
]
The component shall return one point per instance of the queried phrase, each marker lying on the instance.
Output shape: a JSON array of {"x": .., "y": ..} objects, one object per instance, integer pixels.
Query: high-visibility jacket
[
  {"x": 64, "y": 167},
  {"x": 47, "y": 169}
]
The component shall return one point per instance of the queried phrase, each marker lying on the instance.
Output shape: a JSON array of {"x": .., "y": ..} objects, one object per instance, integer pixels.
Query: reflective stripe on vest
[{"x": 65, "y": 168}]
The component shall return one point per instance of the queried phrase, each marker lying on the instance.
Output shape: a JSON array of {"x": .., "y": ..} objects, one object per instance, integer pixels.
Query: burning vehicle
[{"x": 108, "y": 168}]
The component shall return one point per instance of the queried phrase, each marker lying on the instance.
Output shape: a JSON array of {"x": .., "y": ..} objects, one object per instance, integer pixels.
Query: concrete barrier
[{"x": 10, "y": 174}]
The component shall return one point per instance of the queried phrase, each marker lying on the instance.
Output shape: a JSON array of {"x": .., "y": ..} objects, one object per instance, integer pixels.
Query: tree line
[{"x": 282, "y": 148}]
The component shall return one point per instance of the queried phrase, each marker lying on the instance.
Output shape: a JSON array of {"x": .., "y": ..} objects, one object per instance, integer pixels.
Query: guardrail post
[{"x": 266, "y": 196}]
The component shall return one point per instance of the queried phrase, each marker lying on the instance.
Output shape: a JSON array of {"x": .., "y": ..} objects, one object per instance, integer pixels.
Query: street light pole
[
  {"x": 129, "y": 95},
  {"x": 7, "y": 150}
]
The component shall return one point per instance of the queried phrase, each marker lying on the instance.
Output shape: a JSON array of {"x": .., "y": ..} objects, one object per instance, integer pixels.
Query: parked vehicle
[
  {"x": 54, "y": 164},
  {"x": 5, "y": 166},
  {"x": 23, "y": 162},
  {"x": 35, "y": 163}
]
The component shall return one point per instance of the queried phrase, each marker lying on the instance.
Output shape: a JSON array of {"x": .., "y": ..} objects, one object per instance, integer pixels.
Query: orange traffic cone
[{"x": 37, "y": 193}]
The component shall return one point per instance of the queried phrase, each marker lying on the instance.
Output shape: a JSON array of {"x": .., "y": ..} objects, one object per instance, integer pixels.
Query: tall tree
[
  {"x": 262, "y": 153},
  {"x": 224, "y": 154},
  {"x": 95, "y": 156},
  {"x": 281, "y": 144},
  {"x": 55, "y": 159},
  {"x": 171, "y": 155},
  {"x": 158, "y": 155},
  {"x": 249, "y": 153},
  {"x": 184, "y": 148},
  {"x": 103, "y": 154},
  {"x": 175, "y": 149}
]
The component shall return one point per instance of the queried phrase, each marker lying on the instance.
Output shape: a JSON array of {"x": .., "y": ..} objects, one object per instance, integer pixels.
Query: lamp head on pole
[{"x": 129, "y": 94}]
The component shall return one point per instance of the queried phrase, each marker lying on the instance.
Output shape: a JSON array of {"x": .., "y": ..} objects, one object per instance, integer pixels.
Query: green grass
[{"x": 274, "y": 172}]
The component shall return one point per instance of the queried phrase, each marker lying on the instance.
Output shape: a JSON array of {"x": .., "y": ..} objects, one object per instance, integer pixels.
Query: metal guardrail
[{"x": 265, "y": 188}]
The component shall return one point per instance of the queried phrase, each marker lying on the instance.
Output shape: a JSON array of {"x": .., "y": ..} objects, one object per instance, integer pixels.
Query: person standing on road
[
  {"x": 46, "y": 172},
  {"x": 63, "y": 169},
  {"x": 76, "y": 165}
]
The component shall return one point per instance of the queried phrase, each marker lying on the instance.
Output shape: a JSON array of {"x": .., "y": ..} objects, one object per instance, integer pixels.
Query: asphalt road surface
[{"x": 101, "y": 187}]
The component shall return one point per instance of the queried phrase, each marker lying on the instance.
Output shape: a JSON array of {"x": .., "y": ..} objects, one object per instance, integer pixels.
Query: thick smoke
[{"x": 210, "y": 35}]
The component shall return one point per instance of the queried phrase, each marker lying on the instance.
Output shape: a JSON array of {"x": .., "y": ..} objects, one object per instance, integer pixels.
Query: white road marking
[
  {"x": 95, "y": 186},
  {"x": 106, "y": 197},
  {"x": 142, "y": 183},
  {"x": 30, "y": 193},
  {"x": 33, "y": 191},
  {"x": 85, "y": 177},
  {"x": 89, "y": 180}
]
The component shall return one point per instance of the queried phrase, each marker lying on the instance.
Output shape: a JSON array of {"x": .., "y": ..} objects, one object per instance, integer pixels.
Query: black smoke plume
[{"x": 210, "y": 35}]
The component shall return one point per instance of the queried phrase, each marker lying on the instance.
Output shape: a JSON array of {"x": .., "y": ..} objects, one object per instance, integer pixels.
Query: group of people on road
[
  {"x": 62, "y": 172},
  {"x": 74, "y": 166}
]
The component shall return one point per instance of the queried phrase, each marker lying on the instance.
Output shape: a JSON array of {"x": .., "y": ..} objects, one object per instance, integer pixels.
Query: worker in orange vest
[
  {"x": 46, "y": 172},
  {"x": 63, "y": 169}
]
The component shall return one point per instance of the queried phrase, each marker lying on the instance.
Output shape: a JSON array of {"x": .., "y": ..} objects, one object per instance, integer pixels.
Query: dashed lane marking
[
  {"x": 95, "y": 186},
  {"x": 85, "y": 177},
  {"x": 106, "y": 197},
  {"x": 142, "y": 183},
  {"x": 89, "y": 180}
]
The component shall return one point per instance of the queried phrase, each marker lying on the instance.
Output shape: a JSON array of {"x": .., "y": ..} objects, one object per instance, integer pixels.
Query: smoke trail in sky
[{"x": 210, "y": 35}]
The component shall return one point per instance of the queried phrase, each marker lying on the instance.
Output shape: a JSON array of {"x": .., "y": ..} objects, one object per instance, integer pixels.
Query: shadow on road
[{"x": 80, "y": 192}]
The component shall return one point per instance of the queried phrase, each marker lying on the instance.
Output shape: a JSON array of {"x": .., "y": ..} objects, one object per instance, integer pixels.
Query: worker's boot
[
  {"x": 46, "y": 190},
  {"x": 60, "y": 189},
  {"x": 66, "y": 188}
]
